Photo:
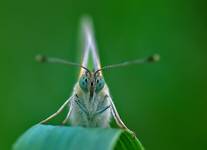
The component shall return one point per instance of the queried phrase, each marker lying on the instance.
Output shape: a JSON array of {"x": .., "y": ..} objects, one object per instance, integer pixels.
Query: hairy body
[{"x": 90, "y": 111}]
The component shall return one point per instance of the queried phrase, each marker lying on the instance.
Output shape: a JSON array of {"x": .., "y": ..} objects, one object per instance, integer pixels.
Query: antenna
[
  {"x": 45, "y": 59},
  {"x": 150, "y": 59}
]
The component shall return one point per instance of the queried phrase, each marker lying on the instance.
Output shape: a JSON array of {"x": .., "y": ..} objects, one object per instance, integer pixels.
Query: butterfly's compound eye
[
  {"x": 83, "y": 82},
  {"x": 99, "y": 84}
]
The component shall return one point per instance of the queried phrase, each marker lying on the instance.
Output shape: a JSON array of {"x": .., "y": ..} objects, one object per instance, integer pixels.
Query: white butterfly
[{"x": 90, "y": 104}]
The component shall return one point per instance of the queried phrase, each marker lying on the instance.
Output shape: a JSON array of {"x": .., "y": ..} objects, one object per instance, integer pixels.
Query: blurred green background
[{"x": 164, "y": 103}]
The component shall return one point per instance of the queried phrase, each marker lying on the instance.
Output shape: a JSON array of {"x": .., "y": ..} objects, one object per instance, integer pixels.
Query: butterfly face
[{"x": 91, "y": 82}]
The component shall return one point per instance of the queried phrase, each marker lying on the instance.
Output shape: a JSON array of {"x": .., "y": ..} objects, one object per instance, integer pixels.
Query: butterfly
[{"x": 90, "y": 104}]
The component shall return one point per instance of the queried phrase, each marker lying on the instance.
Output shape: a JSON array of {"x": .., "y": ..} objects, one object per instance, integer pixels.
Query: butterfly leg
[
  {"x": 57, "y": 112},
  {"x": 118, "y": 119},
  {"x": 68, "y": 115},
  {"x": 102, "y": 110}
]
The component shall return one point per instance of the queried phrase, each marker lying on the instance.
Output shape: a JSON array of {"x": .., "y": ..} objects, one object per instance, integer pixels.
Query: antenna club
[
  {"x": 41, "y": 58},
  {"x": 154, "y": 58}
]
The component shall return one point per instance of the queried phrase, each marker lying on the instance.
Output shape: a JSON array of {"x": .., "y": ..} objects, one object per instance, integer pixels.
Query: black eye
[
  {"x": 97, "y": 81},
  {"x": 86, "y": 80}
]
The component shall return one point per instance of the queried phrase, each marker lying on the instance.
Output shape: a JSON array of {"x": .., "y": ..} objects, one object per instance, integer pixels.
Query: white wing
[{"x": 90, "y": 43}]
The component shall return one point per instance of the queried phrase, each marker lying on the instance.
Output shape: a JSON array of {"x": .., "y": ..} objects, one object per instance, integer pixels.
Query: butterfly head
[{"x": 91, "y": 81}]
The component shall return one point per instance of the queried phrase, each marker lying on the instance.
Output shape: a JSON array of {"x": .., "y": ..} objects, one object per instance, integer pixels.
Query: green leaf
[{"x": 42, "y": 137}]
